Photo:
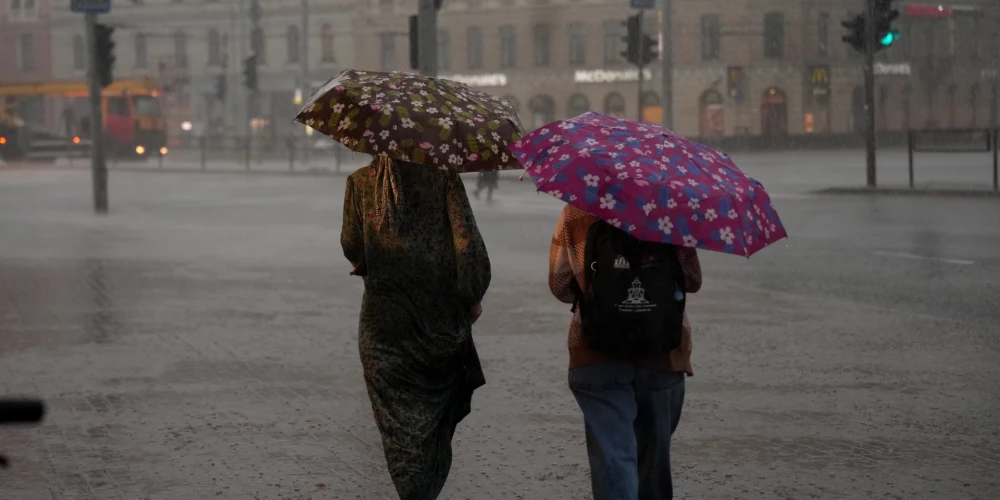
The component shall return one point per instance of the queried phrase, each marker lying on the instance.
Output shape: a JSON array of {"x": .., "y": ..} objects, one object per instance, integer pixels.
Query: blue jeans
[{"x": 630, "y": 414}]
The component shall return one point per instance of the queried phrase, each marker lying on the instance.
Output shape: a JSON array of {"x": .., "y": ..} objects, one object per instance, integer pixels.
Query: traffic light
[
  {"x": 649, "y": 49},
  {"x": 885, "y": 14},
  {"x": 855, "y": 32},
  {"x": 220, "y": 87},
  {"x": 633, "y": 39},
  {"x": 105, "y": 61},
  {"x": 250, "y": 73},
  {"x": 885, "y": 35}
]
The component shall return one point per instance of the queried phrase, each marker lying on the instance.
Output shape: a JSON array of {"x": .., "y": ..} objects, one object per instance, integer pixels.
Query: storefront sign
[
  {"x": 900, "y": 69},
  {"x": 819, "y": 82},
  {"x": 486, "y": 80},
  {"x": 608, "y": 76}
]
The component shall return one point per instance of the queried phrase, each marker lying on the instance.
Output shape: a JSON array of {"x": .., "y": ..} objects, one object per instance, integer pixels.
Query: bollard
[
  {"x": 996, "y": 159},
  {"x": 247, "y": 151},
  {"x": 201, "y": 144},
  {"x": 910, "y": 139}
]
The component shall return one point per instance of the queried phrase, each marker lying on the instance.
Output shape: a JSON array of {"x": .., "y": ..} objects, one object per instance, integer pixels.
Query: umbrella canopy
[
  {"x": 416, "y": 118},
  {"x": 652, "y": 183}
]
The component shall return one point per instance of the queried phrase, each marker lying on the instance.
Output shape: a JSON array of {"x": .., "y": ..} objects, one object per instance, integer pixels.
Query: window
[
  {"x": 22, "y": 9},
  {"x": 258, "y": 45},
  {"x": 327, "y": 43},
  {"x": 292, "y": 44},
  {"x": 774, "y": 35},
  {"x": 140, "y": 51},
  {"x": 613, "y": 34},
  {"x": 823, "y": 34},
  {"x": 543, "y": 110},
  {"x": 710, "y": 37},
  {"x": 180, "y": 49},
  {"x": 146, "y": 106},
  {"x": 508, "y": 47},
  {"x": 214, "y": 48},
  {"x": 118, "y": 106},
  {"x": 388, "y": 48},
  {"x": 577, "y": 44},
  {"x": 542, "y": 44},
  {"x": 614, "y": 105},
  {"x": 474, "y": 40},
  {"x": 79, "y": 52},
  {"x": 966, "y": 35},
  {"x": 26, "y": 52},
  {"x": 444, "y": 49},
  {"x": 578, "y": 105}
]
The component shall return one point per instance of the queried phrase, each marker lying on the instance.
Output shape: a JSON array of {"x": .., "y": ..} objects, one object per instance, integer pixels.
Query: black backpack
[{"x": 634, "y": 301}]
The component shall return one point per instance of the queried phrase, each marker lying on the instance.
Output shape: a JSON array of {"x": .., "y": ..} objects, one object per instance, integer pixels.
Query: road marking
[{"x": 911, "y": 256}]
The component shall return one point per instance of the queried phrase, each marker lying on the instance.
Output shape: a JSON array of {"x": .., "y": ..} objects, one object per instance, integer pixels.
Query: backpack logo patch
[
  {"x": 622, "y": 263},
  {"x": 636, "y": 301}
]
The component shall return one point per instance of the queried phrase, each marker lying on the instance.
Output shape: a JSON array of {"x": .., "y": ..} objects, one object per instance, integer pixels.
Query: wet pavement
[{"x": 200, "y": 342}]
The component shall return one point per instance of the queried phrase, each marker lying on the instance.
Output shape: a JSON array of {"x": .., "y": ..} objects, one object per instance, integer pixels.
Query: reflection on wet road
[{"x": 199, "y": 342}]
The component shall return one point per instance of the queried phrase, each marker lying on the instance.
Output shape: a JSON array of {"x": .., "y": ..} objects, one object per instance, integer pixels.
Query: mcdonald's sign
[{"x": 819, "y": 82}]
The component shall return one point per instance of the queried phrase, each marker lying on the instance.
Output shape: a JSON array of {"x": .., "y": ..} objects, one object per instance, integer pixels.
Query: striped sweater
[{"x": 566, "y": 263}]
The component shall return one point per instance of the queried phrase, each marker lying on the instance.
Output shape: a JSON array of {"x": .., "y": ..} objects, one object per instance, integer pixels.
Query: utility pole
[
  {"x": 870, "y": 92},
  {"x": 667, "y": 65},
  {"x": 305, "y": 86},
  {"x": 256, "y": 34},
  {"x": 241, "y": 95},
  {"x": 427, "y": 37},
  {"x": 99, "y": 169},
  {"x": 641, "y": 65}
]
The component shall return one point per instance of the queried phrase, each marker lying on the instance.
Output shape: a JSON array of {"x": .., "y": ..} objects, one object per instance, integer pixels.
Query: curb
[{"x": 898, "y": 191}]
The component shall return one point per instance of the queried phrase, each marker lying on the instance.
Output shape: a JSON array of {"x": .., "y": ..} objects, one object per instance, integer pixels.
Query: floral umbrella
[
  {"x": 416, "y": 118},
  {"x": 651, "y": 183}
]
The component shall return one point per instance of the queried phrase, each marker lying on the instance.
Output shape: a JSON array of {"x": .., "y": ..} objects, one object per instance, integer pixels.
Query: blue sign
[
  {"x": 642, "y": 4},
  {"x": 98, "y": 6}
]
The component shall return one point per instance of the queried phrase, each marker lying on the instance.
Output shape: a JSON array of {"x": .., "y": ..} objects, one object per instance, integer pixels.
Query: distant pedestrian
[
  {"x": 409, "y": 231},
  {"x": 488, "y": 181},
  {"x": 629, "y": 348}
]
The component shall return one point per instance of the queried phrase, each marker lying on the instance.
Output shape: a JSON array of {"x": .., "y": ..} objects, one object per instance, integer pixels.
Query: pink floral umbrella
[{"x": 651, "y": 183}]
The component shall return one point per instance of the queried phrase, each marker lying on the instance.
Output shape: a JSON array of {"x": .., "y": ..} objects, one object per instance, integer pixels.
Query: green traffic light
[{"x": 889, "y": 38}]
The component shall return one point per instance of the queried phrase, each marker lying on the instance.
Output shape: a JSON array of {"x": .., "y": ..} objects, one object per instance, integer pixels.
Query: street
[{"x": 200, "y": 342}]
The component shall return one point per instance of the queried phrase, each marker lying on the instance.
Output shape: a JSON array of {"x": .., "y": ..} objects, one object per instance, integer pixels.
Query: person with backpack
[{"x": 629, "y": 348}]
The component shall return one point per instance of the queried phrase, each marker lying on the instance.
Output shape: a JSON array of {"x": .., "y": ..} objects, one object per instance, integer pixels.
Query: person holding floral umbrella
[
  {"x": 409, "y": 231},
  {"x": 640, "y": 201}
]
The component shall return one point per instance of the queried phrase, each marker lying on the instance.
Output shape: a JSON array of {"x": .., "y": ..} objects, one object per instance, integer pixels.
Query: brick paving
[{"x": 199, "y": 343}]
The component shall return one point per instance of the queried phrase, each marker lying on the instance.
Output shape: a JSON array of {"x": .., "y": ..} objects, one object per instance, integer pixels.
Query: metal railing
[{"x": 249, "y": 153}]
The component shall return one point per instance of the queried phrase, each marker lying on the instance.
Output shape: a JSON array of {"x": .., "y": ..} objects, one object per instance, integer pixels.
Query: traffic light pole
[
  {"x": 99, "y": 170},
  {"x": 427, "y": 37},
  {"x": 667, "y": 68},
  {"x": 870, "y": 93},
  {"x": 641, "y": 67},
  {"x": 306, "y": 84}
]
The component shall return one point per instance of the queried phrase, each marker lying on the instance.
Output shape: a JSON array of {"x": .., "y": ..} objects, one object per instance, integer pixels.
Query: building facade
[
  {"x": 189, "y": 47},
  {"x": 25, "y": 48},
  {"x": 741, "y": 67}
]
